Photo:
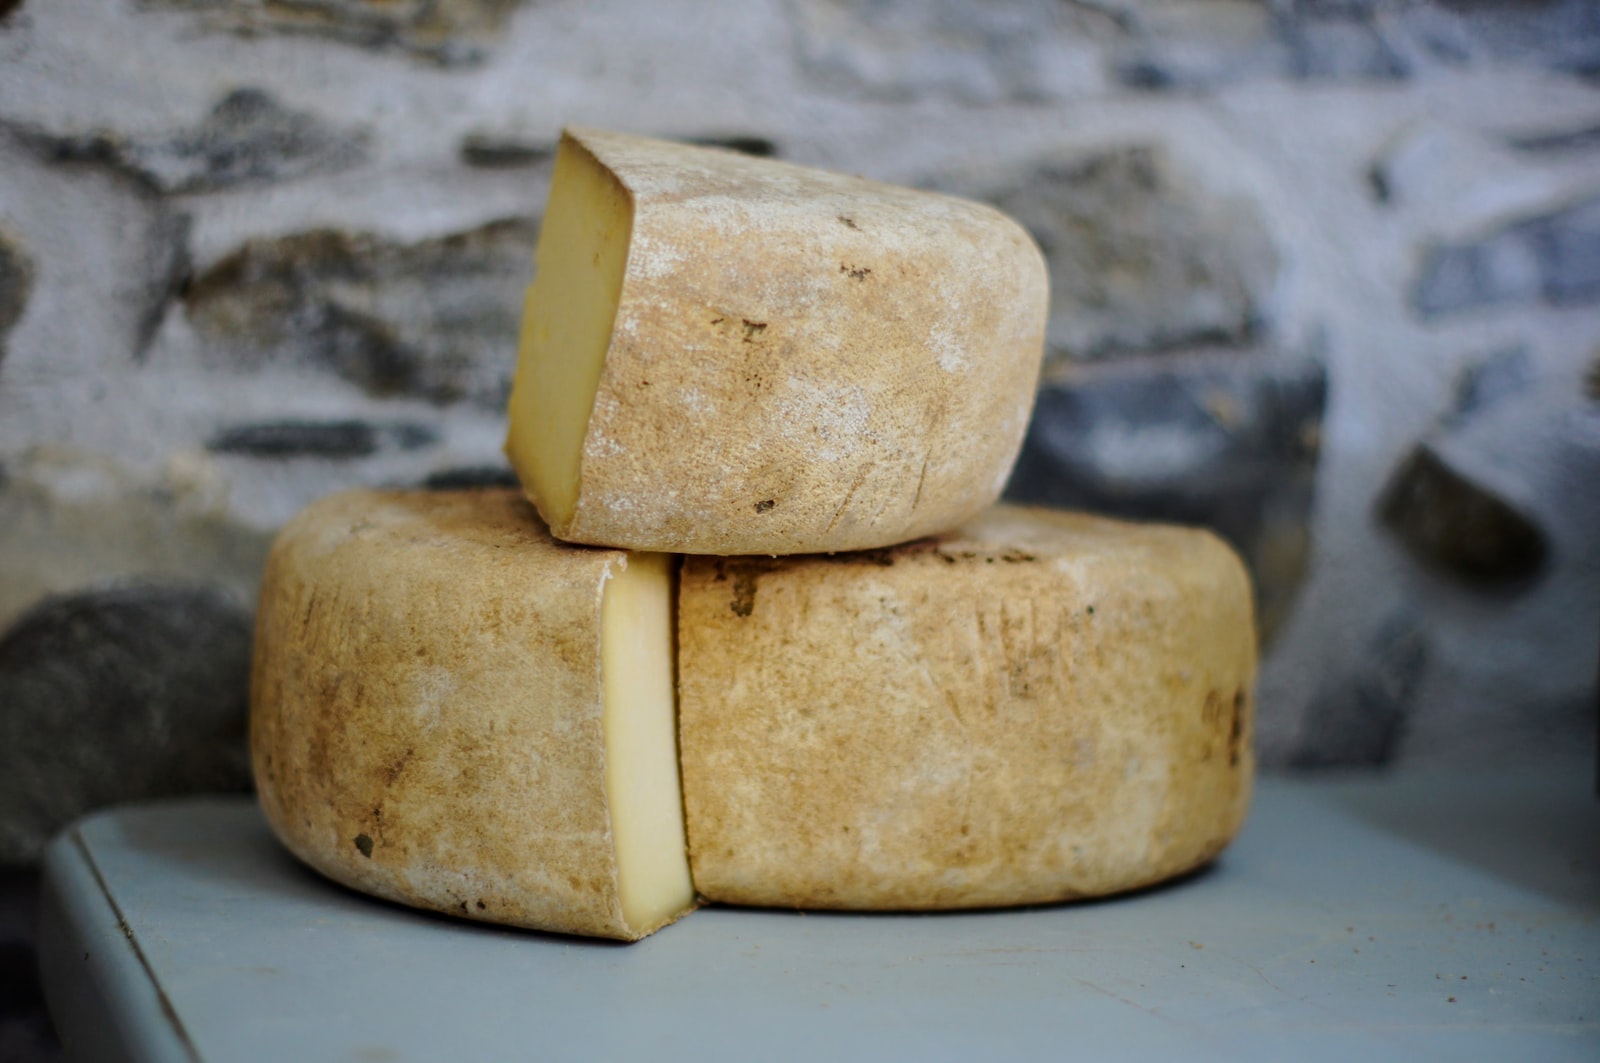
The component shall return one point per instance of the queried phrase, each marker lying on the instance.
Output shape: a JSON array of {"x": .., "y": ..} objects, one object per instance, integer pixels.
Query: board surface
[{"x": 1418, "y": 917}]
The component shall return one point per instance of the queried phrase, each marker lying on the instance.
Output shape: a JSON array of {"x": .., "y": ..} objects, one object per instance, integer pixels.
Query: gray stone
[
  {"x": 159, "y": 229},
  {"x": 437, "y": 319},
  {"x": 508, "y": 150},
  {"x": 1554, "y": 258},
  {"x": 1498, "y": 497},
  {"x": 449, "y": 32},
  {"x": 117, "y": 695},
  {"x": 248, "y": 137},
  {"x": 1229, "y": 441},
  {"x": 167, "y": 269},
  {"x": 1186, "y": 46},
  {"x": 1358, "y": 719},
  {"x": 16, "y": 283},
  {"x": 1484, "y": 385},
  {"x": 902, "y": 50},
  {"x": 1560, "y": 35},
  {"x": 1459, "y": 526},
  {"x": 1582, "y": 139},
  {"x": 491, "y": 151},
  {"x": 1198, "y": 45},
  {"x": 1140, "y": 260},
  {"x": 1324, "y": 42},
  {"x": 1201, "y": 44},
  {"x": 470, "y": 476},
  {"x": 1569, "y": 255},
  {"x": 320, "y": 439},
  {"x": 1500, "y": 268},
  {"x": 744, "y": 143}
]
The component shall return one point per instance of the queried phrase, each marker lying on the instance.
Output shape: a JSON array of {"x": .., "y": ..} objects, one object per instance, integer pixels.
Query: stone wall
[{"x": 1326, "y": 276}]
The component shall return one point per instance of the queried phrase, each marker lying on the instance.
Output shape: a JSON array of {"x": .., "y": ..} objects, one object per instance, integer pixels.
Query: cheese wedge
[
  {"x": 729, "y": 355},
  {"x": 451, "y": 710},
  {"x": 1037, "y": 707}
]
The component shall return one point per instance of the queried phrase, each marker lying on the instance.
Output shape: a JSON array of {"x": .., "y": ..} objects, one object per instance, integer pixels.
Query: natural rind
[
  {"x": 800, "y": 361},
  {"x": 1038, "y": 707},
  {"x": 427, "y": 709}
]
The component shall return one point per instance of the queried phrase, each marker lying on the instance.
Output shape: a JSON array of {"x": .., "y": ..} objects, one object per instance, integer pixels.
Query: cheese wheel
[
  {"x": 452, "y": 710},
  {"x": 729, "y": 355},
  {"x": 1037, "y": 707}
]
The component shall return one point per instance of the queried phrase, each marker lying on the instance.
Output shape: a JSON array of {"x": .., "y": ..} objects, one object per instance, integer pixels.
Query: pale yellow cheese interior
[
  {"x": 637, "y": 650},
  {"x": 566, "y": 327}
]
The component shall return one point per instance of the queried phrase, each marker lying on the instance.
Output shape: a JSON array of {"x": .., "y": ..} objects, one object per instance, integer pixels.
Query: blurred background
[{"x": 1326, "y": 277}]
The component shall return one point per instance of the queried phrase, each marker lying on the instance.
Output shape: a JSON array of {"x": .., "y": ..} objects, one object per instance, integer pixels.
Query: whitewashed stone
[
  {"x": 1140, "y": 258},
  {"x": 1553, "y": 258},
  {"x": 1007, "y": 50},
  {"x": 1224, "y": 440},
  {"x": 437, "y": 319},
  {"x": 74, "y": 519},
  {"x": 1358, "y": 717},
  {"x": 446, "y": 31},
  {"x": 247, "y": 137}
]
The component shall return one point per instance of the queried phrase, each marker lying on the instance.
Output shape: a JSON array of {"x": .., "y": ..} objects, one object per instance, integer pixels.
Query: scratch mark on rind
[
  {"x": 955, "y": 711},
  {"x": 861, "y": 478},
  {"x": 921, "y": 479}
]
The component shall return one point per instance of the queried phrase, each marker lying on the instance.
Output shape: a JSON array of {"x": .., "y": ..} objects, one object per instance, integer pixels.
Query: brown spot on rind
[
  {"x": 364, "y": 843},
  {"x": 994, "y": 271},
  {"x": 1010, "y": 555},
  {"x": 392, "y": 772},
  {"x": 744, "y": 593},
  {"x": 1012, "y": 656},
  {"x": 1236, "y": 732},
  {"x": 886, "y": 556},
  {"x": 765, "y": 505}
]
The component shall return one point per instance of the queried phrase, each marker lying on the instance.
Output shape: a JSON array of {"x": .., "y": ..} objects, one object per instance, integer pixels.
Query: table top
[{"x": 1450, "y": 916}]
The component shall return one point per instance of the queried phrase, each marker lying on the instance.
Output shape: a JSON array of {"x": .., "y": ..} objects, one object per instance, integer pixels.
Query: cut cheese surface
[
  {"x": 571, "y": 307},
  {"x": 1035, "y": 707},
  {"x": 642, "y": 790},
  {"x": 452, "y": 710},
  {"x": 731, "y": 355}
]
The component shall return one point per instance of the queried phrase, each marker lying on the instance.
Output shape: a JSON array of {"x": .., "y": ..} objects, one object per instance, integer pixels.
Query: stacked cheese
[{"x": 866, "y": 687}]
